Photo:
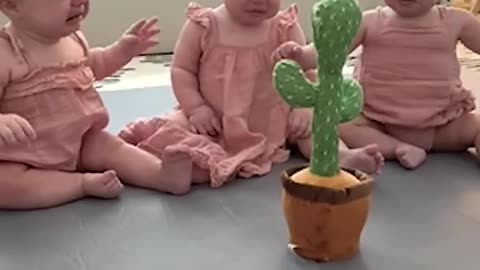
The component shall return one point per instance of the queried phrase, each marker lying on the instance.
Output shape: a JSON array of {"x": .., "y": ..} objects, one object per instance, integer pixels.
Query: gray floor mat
[{"x": 428, "y": 219}]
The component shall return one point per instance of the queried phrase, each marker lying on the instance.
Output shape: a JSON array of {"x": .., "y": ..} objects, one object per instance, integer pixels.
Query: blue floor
[
  {"x": 125, "y": 106},
  {"x": 428, "y": 219}
]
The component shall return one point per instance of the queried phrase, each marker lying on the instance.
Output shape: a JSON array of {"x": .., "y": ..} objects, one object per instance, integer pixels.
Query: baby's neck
[
  {"x": 30, "y": 37},
  {"x": 419, "y": 18}
]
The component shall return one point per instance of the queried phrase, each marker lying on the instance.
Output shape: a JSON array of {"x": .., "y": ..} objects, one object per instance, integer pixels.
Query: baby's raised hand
[
  {"x": 15, "y": 129},
  {"x": 204, "y": 121},
  {"x": 288, "y": 50},
  {"x": 140, "y": 36},
  {"x": 299, "y": 123}
]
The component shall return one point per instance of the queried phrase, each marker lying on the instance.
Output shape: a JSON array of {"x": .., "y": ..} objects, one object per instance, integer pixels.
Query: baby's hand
[
  {"x": 288, "y": 50},
  {"x": 203, "y": 121},
  {"x": 15, "y": 130},
  {"x": 299, "y": 123},
  {"x": 140, "y": 36}
]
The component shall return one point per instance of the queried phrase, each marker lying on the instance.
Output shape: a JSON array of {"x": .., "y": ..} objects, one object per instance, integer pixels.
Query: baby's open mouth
[{"x": 75, "y": 17}]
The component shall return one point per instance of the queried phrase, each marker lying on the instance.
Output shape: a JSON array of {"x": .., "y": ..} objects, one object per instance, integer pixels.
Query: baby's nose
[
  {"x": 258, "y": 2},
  {"x": 77, "y": 3}
]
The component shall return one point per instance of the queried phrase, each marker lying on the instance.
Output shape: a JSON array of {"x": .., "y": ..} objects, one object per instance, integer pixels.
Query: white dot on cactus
[
  {"x": 332, "y": 86},
  {"x": 328, "y": 121},
  {"x": 289, "y": 97}
]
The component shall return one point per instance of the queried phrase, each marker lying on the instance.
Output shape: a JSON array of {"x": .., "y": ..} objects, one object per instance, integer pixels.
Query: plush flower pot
[{"x": 325, "y": 219}]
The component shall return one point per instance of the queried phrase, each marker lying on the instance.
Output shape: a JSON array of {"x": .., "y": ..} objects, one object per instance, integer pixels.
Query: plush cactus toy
[
  {"x": 325, "y": 206},
  {"x": 333, "y": 98}
]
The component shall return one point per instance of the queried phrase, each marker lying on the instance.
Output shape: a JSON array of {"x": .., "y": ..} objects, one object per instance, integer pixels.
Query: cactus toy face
[{"x": 333, "y": 98}]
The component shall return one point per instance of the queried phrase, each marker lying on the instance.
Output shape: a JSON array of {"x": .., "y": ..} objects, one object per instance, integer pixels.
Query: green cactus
[{"x": 334, "y": 99}]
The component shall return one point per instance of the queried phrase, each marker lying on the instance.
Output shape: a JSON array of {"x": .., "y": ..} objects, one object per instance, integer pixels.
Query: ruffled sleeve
[{"x": 198, "y": 14}]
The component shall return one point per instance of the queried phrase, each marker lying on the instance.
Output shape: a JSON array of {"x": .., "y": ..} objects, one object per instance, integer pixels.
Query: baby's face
[
  {"x": 50, "y": 18},
  {"x": 252, "y": 12},
  {"x": 410, "y": 8}
]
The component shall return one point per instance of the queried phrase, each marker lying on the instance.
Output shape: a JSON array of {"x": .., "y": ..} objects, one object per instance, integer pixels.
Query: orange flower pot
[{"x": 326, "y": 222}]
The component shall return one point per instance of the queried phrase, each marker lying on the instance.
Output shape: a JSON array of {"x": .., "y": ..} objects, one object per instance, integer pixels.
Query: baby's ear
[{"x": 9, "y": 7}]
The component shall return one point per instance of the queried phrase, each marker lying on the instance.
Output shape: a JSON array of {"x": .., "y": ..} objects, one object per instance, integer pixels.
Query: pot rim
[{"x": 327, "y": 195}]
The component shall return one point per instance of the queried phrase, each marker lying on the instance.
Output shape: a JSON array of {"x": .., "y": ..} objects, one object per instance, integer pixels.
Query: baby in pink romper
[
  {"x": 229, "y": 114},
  {"x": 414, "y": 98},
  {"x": 53, "y": 147}
]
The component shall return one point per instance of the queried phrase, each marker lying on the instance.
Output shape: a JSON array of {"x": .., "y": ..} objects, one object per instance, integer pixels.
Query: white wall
[
  {"x": 369, "y": 4},
  {"x": 106, "y": 22}
]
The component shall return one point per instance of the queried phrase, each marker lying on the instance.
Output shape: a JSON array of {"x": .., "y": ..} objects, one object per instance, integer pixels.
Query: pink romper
[
  {"x": 411, "y": 76},
  {"x": 237, "y": 83},
  {"x": 59, "y": 102}
]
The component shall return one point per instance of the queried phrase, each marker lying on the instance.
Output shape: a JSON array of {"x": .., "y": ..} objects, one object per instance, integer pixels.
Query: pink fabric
[
  {"x": 59, "y": 102},
  {"x": 236, "y": 82},
  {"x": 412, "y": 85}
]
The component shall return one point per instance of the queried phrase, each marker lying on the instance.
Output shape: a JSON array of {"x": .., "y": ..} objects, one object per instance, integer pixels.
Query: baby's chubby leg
[
  {"x": 102, "y": 151},
  {"x": 367, "y": 158},
  {"x": 22, "y": 187},
  {"x": 459, "y": 135},
  {"x": 362, "y": 132}
]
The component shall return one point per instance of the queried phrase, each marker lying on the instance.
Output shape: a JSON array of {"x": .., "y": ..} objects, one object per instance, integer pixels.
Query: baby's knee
[
  {"x": 97, "y": 146},
  {"x": 177, "y": 117},
  {"x": 476, "y": 130},
  {"x": 12, "y": 186},
  {"x": 140, "y": 130},
  {"x": 305, "y": 147}
]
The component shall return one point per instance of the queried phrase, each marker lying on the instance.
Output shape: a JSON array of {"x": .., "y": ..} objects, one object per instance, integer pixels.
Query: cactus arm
[
  {"x": 292, "y": 85},
  {"x": 352, "y": 100}
]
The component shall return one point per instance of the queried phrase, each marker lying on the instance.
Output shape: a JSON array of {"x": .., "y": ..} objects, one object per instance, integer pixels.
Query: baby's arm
[
  {"x": 296, "y": 34},
  {"x": 184, "y": 69},
  {"x": 469, "y": 29},
  {"x": 104, "y": 61},
  {"x": 308, "y": 58},
  {"x": 138, "y": 38},
  {"x": 13, "y": 128},
  {"x": 7, "y": 62},
  {"x": 4, "y": 72}
]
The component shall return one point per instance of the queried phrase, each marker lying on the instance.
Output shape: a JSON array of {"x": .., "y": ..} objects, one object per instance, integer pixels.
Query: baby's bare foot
[
  {"x": 409, "y": 156},
  {"x": 367, "y": 159},
  {"x": 103, "y": 185},
  {"x": 176, "y": 172}
]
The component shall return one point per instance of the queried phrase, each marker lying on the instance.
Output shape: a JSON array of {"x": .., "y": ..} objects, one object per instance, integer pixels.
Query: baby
[
  {"x": 53, "y": 146},
  {"x": 229, "y": 114},
  {"x": 414, "y": 98}
]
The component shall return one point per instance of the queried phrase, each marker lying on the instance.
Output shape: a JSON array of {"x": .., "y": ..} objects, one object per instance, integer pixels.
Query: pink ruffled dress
[
  {"x": 237, "y": 83},
  {"x": 59, "y": 102},
  {"x": 411, "y": 75}
]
